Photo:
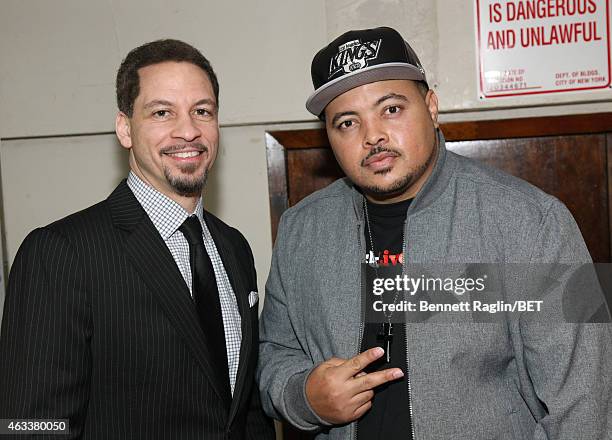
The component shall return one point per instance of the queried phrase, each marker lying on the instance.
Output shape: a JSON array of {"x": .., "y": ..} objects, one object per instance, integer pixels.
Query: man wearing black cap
[{"x": 324, "y": 367}]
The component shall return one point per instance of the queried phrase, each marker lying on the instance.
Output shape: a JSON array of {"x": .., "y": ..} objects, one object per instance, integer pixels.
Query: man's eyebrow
[
  {"x": 377, "y": 103},
  {"x": 157, "y": 102},
  {"x": 340, "y": 115},
  {"x": 163, "y": 102},
  {"x": 390, "y": 96},
  {"x": 207, "y": 101}
]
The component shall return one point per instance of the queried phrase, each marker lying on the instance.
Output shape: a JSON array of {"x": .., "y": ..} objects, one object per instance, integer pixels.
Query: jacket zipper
[
  {"x": 409, "y": 392},
  {"x": 361, "y": 311},
  {"x": 408, "y": 370},
  {"x": 360, "y": 339}
]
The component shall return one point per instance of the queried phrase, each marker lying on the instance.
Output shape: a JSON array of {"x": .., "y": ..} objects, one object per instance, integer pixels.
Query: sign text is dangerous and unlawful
[{"x": 542, "y": 46}]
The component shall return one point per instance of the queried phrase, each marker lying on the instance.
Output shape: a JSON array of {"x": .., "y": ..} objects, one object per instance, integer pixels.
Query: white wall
[
  {"x": 59, "y": 58},
  {"x": 46, "y": 179}
]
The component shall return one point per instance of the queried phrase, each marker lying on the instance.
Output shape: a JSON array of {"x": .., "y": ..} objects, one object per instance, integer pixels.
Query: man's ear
[
  {"x": 431, "y": 100},
  {"x": 123, "y": 130}
]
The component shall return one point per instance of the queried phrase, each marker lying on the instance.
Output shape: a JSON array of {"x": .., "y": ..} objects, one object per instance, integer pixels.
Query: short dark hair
[
  {"x": 128, "y": 81},
  {"x": 423, "y": 87}
]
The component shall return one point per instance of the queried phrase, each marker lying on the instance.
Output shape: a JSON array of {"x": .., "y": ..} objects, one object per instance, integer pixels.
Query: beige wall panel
[
  {"x": 57, "y": 65},
  {"x": 59, "y": 58},
  {"x": 260, "y": 50},
  {"x": 237, "y": 192},
  {"x": 44, "y": 180}
]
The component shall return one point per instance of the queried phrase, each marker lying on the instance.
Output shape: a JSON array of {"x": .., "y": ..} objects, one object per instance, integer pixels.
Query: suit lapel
[
  {"x": 240, "y": 285},
  {"x": 152, "y": 259}
]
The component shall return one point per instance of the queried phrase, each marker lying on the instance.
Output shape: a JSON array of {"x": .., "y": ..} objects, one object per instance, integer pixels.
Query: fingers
[
  {"x": 362, "y": 398},
  {"x": 362, "y": 410},
  {"x": 372, "y": 380},
  {"x": 339, "y": 391},
  {"x": 335, "y": 362},
  {"x": 356, "y": 364}
]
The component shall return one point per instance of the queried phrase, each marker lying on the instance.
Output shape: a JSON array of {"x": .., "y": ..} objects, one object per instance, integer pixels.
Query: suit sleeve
[
  {"x": 283, "y": 365},
  {"x": 45, "y": 361},
  {"x": 569, "y": 364},
  {"x": 258, "y": 425}
]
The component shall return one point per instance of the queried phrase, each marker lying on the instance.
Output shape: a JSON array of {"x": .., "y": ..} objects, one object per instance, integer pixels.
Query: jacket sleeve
[
  {"x": 569, "y": 364},
  {"x": 45, "y": 360},
  {"x": 258, "y": 425},
  {"x": 283, "y": 364}
]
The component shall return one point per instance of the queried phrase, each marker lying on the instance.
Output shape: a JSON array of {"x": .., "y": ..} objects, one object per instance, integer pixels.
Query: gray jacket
[{"x": 475, "y": 381}]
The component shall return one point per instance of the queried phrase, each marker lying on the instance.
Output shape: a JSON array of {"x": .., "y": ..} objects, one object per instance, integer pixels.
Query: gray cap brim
[{"x": 317, "y": 102}]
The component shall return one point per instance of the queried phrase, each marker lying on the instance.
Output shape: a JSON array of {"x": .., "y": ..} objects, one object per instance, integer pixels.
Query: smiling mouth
[{"x": 184, "y": 154}]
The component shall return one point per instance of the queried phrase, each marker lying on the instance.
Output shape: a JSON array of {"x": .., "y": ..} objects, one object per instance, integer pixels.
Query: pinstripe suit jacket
[{"x": 99, "y": 327}]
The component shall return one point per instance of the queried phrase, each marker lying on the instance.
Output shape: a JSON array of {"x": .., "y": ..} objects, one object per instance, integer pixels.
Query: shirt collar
[{"x": 167, "y": 215}]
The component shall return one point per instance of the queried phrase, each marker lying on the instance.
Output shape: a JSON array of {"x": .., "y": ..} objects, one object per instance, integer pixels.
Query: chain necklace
[{"x": 385, "y": 333}]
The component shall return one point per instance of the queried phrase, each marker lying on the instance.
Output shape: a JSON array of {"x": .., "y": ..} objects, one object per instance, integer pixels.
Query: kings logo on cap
[{"x": 353, "y": 55}]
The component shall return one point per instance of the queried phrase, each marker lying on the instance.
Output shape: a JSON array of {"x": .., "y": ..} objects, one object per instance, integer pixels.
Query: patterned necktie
[{"x": 206, "y": 297}]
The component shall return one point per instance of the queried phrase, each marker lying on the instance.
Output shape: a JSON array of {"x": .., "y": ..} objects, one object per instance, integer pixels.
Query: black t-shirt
[{"x": 389, "y": 417}]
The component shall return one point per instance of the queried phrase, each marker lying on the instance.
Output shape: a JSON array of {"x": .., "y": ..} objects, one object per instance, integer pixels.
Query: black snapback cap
[{"x": 360, "y": 57}]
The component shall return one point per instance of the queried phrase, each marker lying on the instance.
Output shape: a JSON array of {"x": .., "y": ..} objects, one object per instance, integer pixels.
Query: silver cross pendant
[{"x": 386, "y": 334}]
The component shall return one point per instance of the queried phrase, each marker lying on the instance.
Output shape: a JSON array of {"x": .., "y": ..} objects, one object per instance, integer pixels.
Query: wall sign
[{"x": 542, "y": 46}]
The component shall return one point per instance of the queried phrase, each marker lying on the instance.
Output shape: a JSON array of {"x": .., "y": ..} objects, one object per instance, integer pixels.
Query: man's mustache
[{"x": 376, "y": 150}]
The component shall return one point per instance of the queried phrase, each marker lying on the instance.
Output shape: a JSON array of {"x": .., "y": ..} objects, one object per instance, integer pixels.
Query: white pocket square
[{"x": 253, "y": 298}]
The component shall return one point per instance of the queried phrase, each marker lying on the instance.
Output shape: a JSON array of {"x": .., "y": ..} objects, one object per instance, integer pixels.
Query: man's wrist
[{"x": 297, "y": 404}]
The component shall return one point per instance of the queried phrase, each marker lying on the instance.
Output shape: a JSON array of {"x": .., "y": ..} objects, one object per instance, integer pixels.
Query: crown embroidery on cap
[{"x": 353, "y": 55}]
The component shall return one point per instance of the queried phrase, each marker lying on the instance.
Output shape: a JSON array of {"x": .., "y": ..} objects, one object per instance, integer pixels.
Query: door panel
[{"x": 571, "y": 168}]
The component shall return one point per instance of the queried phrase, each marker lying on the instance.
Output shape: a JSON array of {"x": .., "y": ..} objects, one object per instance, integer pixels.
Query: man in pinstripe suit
[{"x": 100, "y": 325}]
